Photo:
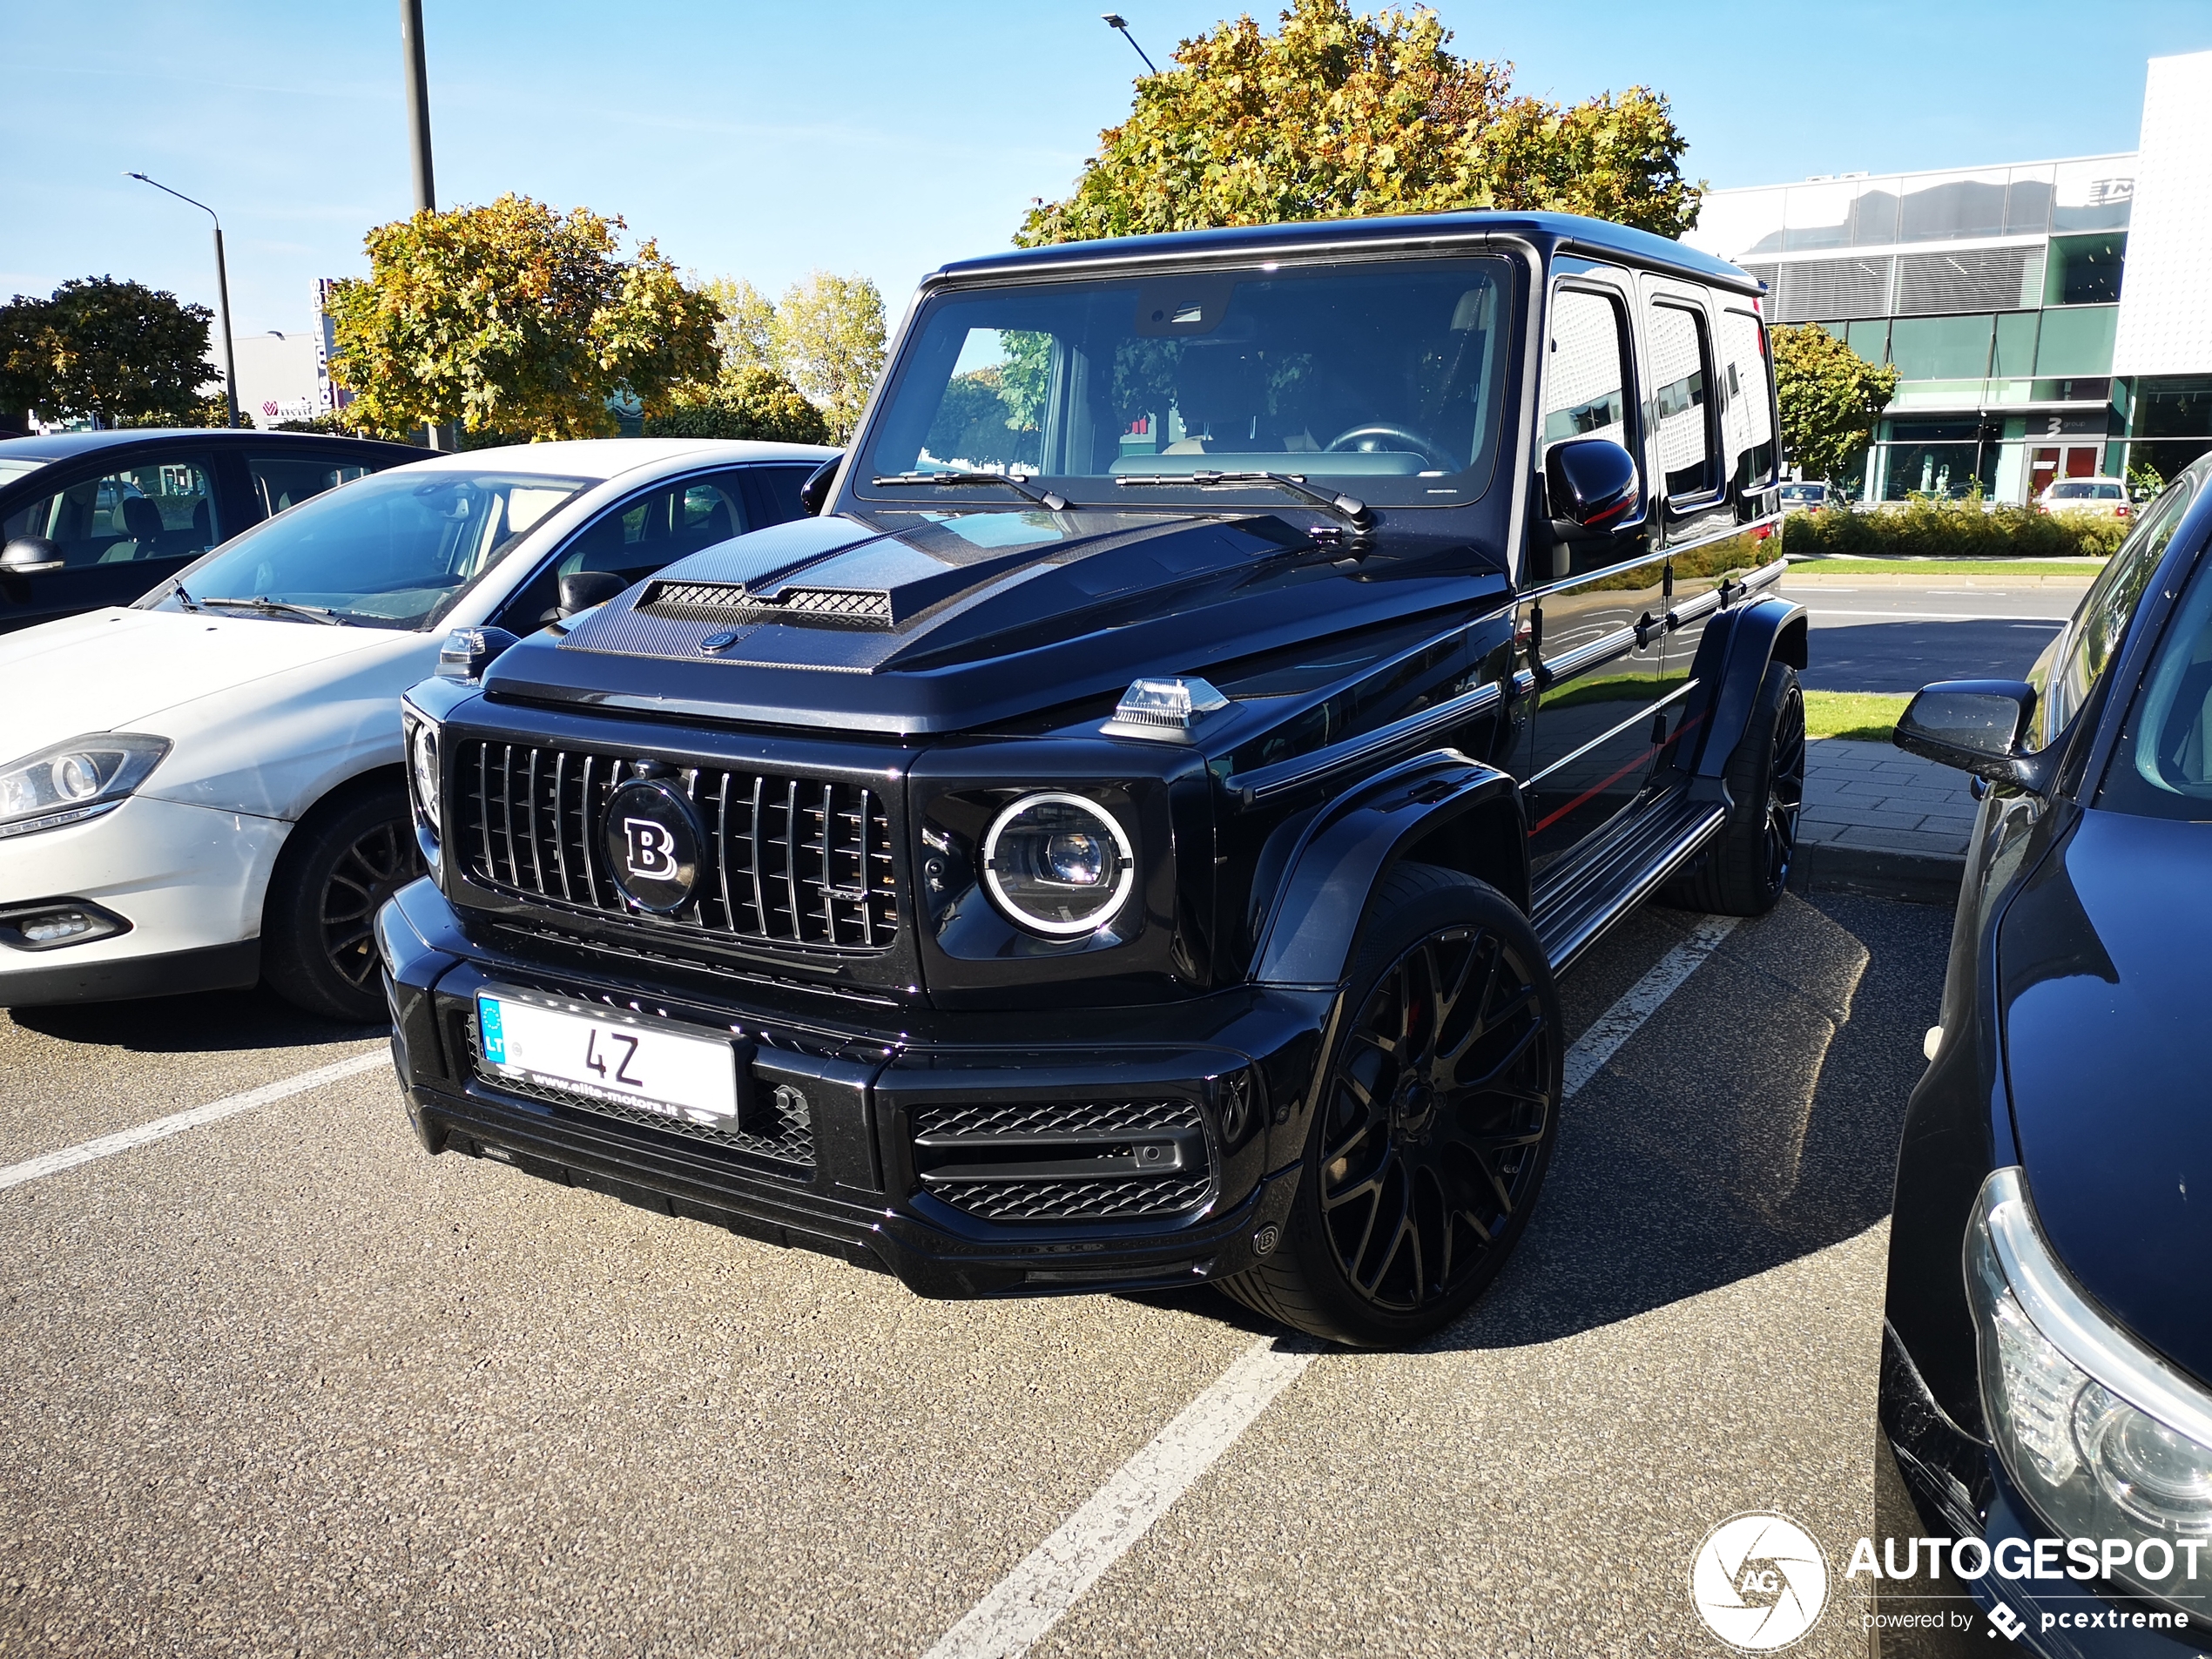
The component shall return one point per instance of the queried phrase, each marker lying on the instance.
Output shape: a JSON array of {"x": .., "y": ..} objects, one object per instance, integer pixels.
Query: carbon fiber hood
[{"x": 934, "y": 622}]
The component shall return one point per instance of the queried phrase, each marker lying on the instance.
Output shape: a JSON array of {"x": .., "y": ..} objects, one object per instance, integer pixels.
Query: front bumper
[
  {"x": 189, "y": 880},
  {"x": 1932, "y": 1480},
  {"x": 1243, "y": 1060}
]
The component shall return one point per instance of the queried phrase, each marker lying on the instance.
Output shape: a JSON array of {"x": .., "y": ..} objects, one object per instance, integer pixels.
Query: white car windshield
[
  {"x": 1384, "y": 375},
  {"x": 390, "y": 550}
]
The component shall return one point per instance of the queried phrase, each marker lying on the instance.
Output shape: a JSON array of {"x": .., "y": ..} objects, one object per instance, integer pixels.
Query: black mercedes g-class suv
[{"x": 1130, "y": 834}]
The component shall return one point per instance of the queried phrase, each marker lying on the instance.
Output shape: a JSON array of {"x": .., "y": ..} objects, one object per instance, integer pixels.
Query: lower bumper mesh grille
[{"x": 1065, "y": 1161}]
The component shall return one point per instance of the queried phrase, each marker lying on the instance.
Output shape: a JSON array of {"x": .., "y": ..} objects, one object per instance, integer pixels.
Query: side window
[
  {"x": 1747, "y": 411},
  {"x": 636, "y": 538},
  {"x": 1586, "y": 370},
  {"x": 2092, "y": 637},
  {"x": 164, "y": 510},
  {"x": 282, "y": 481},
  {"x": 1681, "y": 381}
]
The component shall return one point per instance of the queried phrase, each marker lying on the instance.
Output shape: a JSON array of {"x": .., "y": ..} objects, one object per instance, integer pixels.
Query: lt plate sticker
[{"x": 640, "y": 1066}]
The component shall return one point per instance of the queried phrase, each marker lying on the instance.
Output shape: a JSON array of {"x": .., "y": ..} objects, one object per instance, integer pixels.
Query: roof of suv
[{"x": 1568, "y": 232}]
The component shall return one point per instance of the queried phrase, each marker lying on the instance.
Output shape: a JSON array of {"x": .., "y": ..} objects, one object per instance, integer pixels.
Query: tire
[
  {"x": 1439, "y": 1108},
  {"x": 1744, "y": 871},
  {"x": 317, "y": 945}
]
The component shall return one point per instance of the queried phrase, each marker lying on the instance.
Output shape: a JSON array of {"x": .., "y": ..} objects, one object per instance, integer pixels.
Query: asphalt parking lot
[
  {"x": 281, "y": 1384},
  {"x": 1887, "y": 636}
]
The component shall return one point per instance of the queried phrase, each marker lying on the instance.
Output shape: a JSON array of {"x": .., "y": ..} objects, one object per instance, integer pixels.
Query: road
[
  {"x": 1882, "y": 635},
  {"x": 281, "y": 1383}
]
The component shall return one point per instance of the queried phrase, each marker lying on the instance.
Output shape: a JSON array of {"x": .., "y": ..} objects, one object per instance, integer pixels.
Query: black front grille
[
  {"x": 1064, "y": 1160},
  {"x": 786, "y": 860}
]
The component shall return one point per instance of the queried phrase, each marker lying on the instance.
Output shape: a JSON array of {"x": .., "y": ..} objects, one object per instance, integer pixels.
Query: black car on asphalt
[
  {"x": 2046, "y": 1397},
  {"x": 89, "y": 519},
  {"x": 1130, "y": 838}
]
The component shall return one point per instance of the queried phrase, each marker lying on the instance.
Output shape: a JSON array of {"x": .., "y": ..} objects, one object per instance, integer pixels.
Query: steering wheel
[{"x": 1354, "y": 438}]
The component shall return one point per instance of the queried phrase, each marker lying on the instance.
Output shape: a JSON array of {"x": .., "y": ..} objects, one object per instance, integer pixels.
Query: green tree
[
  {"x": 1830, "y": 398},
  {"x": 749, "y": 402},
  {"x": 828, "y": 336},
  {"x": 1339, "y": 115},
  {"x": 745, "y": 336},
  {"x": 119, "y": 353},
  {"x": 513, "y": 318}
]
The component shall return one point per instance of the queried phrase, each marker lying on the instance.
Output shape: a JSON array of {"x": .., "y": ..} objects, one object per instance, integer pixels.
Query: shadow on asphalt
[
  {"x": 1754, "y": 1122},
  {"x": 1905, "y": 656},
  {"x": 206, "y": 1021}
]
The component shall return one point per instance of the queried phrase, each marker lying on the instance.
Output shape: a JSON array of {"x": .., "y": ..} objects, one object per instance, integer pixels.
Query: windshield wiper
[
  {"x": 279, "y": 607},
  {"x": 1354, "y": 509},
  {"x": 1051, "y": 500},
  {"x": 177, "y": 587}
]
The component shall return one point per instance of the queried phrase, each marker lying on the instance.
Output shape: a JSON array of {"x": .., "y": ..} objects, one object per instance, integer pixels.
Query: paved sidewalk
[{"x": 1879, "y": 820}]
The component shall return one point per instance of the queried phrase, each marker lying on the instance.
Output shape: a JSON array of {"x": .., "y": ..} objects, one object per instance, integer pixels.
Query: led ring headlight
[{"x": 1059, "y": 864}]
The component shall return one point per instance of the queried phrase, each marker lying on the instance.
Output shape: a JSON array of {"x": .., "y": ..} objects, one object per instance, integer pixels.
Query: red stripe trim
[{"x": 1596, "y": 790}]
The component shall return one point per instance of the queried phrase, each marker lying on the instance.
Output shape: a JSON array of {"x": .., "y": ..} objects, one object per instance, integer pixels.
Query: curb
[{"x": 1913, "y": 878}]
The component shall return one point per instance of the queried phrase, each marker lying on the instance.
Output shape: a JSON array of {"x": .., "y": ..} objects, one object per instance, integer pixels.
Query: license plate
[{"x": 622, "y": 1060}]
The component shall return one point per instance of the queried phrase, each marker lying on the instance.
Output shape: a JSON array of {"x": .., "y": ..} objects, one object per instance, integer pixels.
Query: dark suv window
[
  {"x": 162, "y": 510},
  {"x": 1681, "y": 381}
]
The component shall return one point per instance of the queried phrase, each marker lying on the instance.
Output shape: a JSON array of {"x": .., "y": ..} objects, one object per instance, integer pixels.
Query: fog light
[{"x": 55, "y": 923}]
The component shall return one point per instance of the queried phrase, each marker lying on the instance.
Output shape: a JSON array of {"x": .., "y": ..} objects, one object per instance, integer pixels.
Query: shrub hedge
[{"x": 1954, "y": 530}]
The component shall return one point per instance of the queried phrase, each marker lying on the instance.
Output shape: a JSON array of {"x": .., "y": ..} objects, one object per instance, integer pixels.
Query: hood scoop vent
[{"x": 716, "y": 601}]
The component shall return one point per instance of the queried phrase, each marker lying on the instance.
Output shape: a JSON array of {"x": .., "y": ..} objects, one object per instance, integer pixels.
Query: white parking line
[
  {"x": 84, "y": 1151},
  {"x": 1016, "y": 1613}
]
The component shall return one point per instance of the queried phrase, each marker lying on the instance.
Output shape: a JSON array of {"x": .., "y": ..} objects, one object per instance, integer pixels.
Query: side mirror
[
  {"x": 30, "y": 555},
  {"x": 1976, "y": 725},
  {"x": 1591, "y": 485},
  {"x": 581, "y": 590},
  {"x": 813, "y": 494}
]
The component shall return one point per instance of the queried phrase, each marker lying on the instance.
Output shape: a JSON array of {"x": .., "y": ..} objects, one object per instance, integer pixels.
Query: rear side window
[
  {"x": 1586, "y": 374},
  {"x": 1747, "y": 412},
  {"x": 1681, "y": 385},
  {"x": 282, "y": 481},
  {"x": 777, "y": 491}
]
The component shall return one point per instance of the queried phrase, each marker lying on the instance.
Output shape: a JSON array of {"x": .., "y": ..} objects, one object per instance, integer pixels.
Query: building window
[
  {"x": 2077, "y": 341},
  {"x": 1943, "y": 209},
  {"x": 2085, "y": 270},
  {"x": 1941, "y": 348},
  {"x": 2015, "y": 355}
]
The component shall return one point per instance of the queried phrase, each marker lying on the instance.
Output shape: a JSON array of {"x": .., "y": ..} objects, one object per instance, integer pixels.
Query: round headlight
[
  {"x": 76, "y": 777},
  {"x": 1059, "y": 864},
  {"x": 422, "y": 759}
]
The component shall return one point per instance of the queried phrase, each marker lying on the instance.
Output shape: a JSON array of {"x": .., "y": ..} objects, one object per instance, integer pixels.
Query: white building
[{"x": 2049, "y": 317}]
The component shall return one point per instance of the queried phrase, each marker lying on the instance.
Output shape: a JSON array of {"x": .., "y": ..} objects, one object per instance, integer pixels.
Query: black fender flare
[
  {"x": 1730, "y": 665},
  {"x": 1317, "y": 908}
]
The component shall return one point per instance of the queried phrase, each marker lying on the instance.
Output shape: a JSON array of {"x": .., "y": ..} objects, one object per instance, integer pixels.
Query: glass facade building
[{"x": 2014, "y": 301}]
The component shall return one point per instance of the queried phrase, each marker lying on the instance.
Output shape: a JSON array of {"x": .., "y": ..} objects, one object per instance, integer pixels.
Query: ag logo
[
  {"x": 651, "y": 838},
  {"x": 1759, "y": 1582}
]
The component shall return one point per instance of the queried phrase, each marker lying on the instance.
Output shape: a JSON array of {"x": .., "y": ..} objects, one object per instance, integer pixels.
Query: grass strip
[{"x": 1864, "y": 716}]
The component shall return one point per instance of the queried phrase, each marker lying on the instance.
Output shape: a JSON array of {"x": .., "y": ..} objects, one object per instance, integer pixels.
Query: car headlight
[
  {"x": 75, "y": 780},
  {"x": 1058, "y": 863},
  {"x": 423, "y": 768},
  {"x": 2106, "y": 1440}
]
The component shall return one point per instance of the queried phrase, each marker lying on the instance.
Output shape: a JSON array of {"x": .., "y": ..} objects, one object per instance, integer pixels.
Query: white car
[
  {"x": 2098, "y": 497},
  {"x": 204, "y": 789}
]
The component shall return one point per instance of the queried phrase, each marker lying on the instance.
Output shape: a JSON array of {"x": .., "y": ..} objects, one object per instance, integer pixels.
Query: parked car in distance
[
  {"x": 96, "y": 518},
  {"x": 1807, "y": 496},
  {"x": 2047, "y": 1372},
  {"x": 204, "y": 787},
  {"x": 1132, "y": 837},
  {"x": 2096, "y": 497}
]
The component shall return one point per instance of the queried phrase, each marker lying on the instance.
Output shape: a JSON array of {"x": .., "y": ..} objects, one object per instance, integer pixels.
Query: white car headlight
[
  {"x": 2107, "y": 1440},
  {"x": 75, "y": 780},
  {"x": 1058, "y": 863}
]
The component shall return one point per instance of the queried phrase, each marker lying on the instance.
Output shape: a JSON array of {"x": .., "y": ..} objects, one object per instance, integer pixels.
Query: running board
[{"x": 1574, "y": 905}]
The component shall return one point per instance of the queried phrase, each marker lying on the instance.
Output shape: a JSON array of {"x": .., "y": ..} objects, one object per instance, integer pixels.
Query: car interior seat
[{"x": 142, "y": 522}]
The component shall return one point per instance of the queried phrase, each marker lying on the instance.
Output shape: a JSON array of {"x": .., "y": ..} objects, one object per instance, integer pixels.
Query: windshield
[
  {"x": 1384, "y": 378},
  {"x": 390, "y": 550}
]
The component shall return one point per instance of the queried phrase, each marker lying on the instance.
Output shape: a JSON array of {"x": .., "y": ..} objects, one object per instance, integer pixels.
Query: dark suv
[{"x": 1130, "y": 836}]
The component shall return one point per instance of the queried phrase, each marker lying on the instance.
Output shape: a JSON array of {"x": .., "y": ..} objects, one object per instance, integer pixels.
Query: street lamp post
[
  {"x": 222, "y": 291},
  {"x": 1120, "y": 25}
]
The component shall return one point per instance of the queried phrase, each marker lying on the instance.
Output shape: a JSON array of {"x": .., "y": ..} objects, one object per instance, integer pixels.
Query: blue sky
[{"x": 760, "y": 140}]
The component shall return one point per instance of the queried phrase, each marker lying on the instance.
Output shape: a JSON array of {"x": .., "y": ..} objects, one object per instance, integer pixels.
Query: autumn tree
[
  {"x": 823, "y": 342},
  {"x": 1829, "y": 397},
  {"x": 1339, "y": 117},
  {"x": 514, "y": 318},
  {"x": 119, "y": 353}
]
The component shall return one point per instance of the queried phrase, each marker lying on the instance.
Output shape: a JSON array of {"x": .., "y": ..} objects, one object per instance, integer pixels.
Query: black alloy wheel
[
  {"x": 1745, "y": 868},
  {"x": 1435, "y": 1122},
  {"x": 319, "y": 942}
]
